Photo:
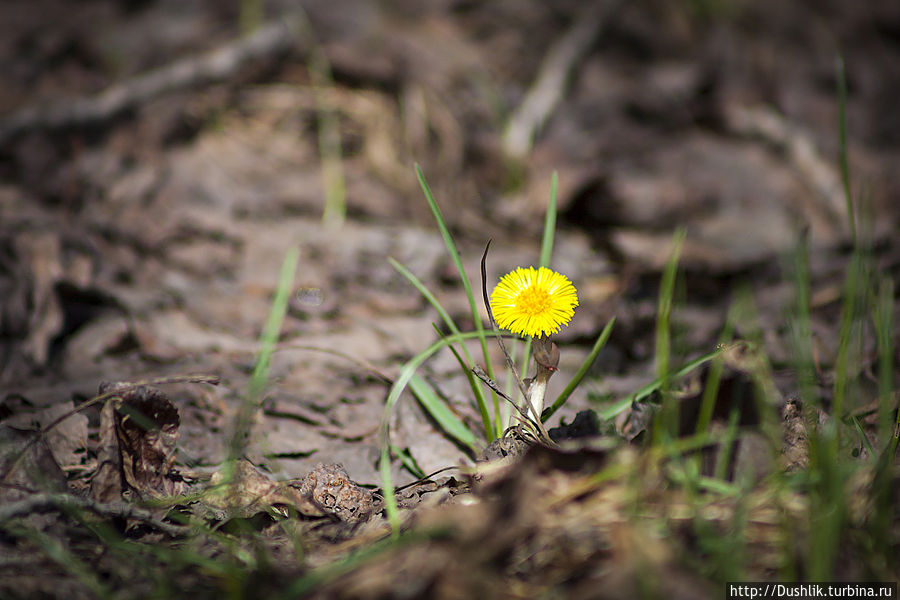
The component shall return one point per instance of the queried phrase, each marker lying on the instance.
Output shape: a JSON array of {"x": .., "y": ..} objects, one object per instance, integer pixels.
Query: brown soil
[{"x": 142, "y": 230}]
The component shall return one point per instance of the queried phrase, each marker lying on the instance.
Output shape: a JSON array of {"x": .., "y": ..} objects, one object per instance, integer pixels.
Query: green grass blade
[
  {"x": 426, "y": 293},
  {"x": 409, "y": 368},
  {"x": 451, "y": 325},
  {"x": 454, "y": 255},
  {"x": 269, "y": 337},
  {"x": 65, "y": 558},
  {"x": 268, "y": 341},
  {"x": 408, "y": 462},
  {"x": 470, "y": 377},
  {"x": 441, "y": 413},
  {"x": 581, "y": 372},
  {"x": 842, "y": 144},
  {"x": 864, "y": 439},
  {"x": 882, "y": 320},
  {"x": 612, "y": 411},
  {"x": 406, "y": 373},
  {"x": 387, "y": 487},
  {"x": 546, "y": 255},
  {"x": 801, "y": 328},
  {"x": 826, "y": 508},
  {"x": 549, "y": 223},
  {"x": 710, "y": 392},
  {"x": 895, "y": 438},
  {"x": 329, "y": 129},
  {"x": 667, "y": 424},
  {"x": 723, "y": 456},
  {"x": 855, "y": 284},
  {"x": 251, "y": 16},
  {"x": 457, "y": 261},
  {"x": 714, "y": 377},
  {"x": 704, "y": 482}
]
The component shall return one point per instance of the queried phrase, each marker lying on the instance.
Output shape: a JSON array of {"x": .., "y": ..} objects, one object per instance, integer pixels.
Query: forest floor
[{"x": 159, "y": 159}]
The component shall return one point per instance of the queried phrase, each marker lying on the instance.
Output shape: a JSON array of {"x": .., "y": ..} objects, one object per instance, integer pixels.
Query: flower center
[{"x": 534, "y": 301}]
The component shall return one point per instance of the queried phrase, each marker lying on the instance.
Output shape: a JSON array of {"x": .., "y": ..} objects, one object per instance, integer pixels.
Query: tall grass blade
[
  {"x": 408, "y": 461},
  {"x": 268, "y": 341},
  {"x": 387, "y": 486},
  {"x": 723, "y": 457},
  {"x": 441, "y": 413},
  {"x": 549, "y": 223},
  {"x": 66, "y": 559},
  {"x": 272, "y": 329},
  {"x": 544, "y": 261},
  {"x": 863, "y": 438},
  {"x": 329, "y": 130},
  {"x": 801, "y": 330},
  {"x": 407, "y": 371},
  {"x": 451, "y": 325},
  {"x": 612, "y": 411},
  {"x": 713, "y": 378},
  {"x": 842, "y": 143},
  {"x": 667, "y": 420},
  {"x": 826, "y": 503},
  {"x": 882, "y": 320},
  {"x": 467, "y": 285},
  {"x": 251, "y": 16},
  {"x": 470, "y": 377},
  {"x": 849, "y": 335}
]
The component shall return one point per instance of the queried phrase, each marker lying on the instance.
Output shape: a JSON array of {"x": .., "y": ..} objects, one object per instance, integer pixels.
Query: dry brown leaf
[
  {"x": 23, "y": 474},
  {"x": 138, "y": 435}
]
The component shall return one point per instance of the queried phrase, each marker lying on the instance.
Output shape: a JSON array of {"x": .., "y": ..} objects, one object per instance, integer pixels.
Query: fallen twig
[
  {"x": 799, "y": 147},
  {"x": 218, "y": 65},
  {"x": 41, "y": 503},
  {"x": 547, "y": 90}
]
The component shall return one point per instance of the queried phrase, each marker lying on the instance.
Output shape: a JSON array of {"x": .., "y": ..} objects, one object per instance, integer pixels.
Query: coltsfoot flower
[{"x": 534, "y": 302}]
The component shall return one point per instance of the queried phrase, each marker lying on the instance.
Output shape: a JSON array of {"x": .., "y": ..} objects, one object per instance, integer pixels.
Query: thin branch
[
  {"x": 358, "y": 361},
  {"x": 426, "y": 478},
  {"x": 548, "y": 89},
  {"x": 480, "y": 374},
  {"x": 217, "y": 65},
  {"x": 800, "y": 149},
  {"x": 42, "y": 503}
]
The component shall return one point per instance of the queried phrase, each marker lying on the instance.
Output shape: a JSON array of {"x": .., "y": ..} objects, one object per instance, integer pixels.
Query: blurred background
[{"x": 159, "y": 157}]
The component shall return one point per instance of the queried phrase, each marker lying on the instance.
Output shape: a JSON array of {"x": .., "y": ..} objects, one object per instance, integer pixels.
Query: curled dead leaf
[{"x": 138, "y": 436}]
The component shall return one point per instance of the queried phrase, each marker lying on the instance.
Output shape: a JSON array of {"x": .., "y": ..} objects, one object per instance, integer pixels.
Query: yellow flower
[{"x": 533, "y": 302}]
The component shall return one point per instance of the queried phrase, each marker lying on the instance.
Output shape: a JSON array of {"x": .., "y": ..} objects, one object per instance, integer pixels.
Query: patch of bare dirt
[{"x": 156, "y": 163}]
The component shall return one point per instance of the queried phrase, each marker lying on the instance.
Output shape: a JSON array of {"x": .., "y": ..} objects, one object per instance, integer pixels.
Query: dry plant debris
[
  {"x": 138, "y": 437},
  {"x": 155, "y": 165}
]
